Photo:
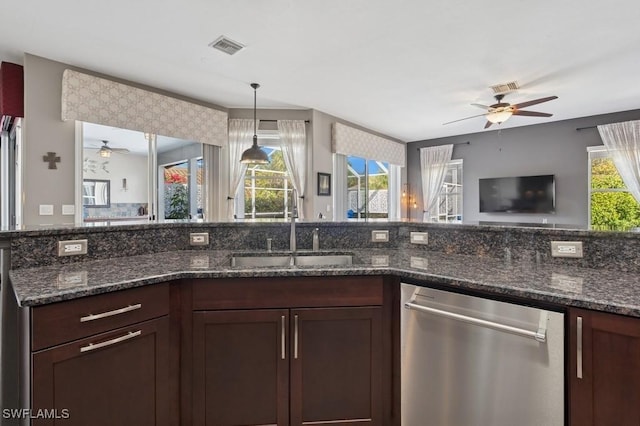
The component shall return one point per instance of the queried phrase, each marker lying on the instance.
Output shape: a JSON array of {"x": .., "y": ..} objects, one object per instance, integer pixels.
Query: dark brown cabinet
[
  {"x": 291, "y": 361},
  {"x": 241, "y": 368},
  {"x": 604, "y": 369},
  {"x": 114, "y": 377},
  {"x": 336, "y": 368}
]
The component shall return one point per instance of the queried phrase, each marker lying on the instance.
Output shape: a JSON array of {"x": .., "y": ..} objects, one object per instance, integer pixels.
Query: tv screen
[{"x": 522, "y": 194}]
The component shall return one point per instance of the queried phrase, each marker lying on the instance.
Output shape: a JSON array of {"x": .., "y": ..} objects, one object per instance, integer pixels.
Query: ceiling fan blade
[
  {"x": 120, "y": 150},
  {"x": 488, "y": 124},
  {"x": 466, "y": 118},
  {"x": 532, "y": 113},
  {"x": 487, "y": 107},
  {"x": 534, "y": 102}
]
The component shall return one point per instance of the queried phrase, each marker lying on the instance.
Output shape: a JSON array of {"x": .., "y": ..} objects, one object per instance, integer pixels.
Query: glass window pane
[
  {"x": 604, "y": 174},
  {"x": 612, "y": 206},
  {"x": 176, "y": 191},
  {"x": 267, "y": 188},
  {"x": 378, "y": 189}
]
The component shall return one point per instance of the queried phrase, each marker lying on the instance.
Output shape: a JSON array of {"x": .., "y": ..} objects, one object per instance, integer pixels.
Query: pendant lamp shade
[{"x": 254, "y": 155}]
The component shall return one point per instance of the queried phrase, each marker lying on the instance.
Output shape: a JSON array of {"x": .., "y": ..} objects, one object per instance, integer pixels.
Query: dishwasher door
[{"x": 470, "y": 361}]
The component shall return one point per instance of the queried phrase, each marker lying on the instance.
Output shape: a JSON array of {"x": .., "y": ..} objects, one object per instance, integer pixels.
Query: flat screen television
[{"x": 521, "y": 194}]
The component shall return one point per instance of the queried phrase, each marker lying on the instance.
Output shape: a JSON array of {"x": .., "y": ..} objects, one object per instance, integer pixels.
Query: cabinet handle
[
  {"x": 295, "y": 337},
  {"x": 92, "y": 317},
  {"x": 92, "y": 346},
  {"x": 283, "y": 347},
  {"x": 579, "y": 347}
]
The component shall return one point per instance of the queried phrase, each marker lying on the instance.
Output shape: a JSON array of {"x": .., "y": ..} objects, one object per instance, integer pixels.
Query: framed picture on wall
[{"x": 324, "y": 184}]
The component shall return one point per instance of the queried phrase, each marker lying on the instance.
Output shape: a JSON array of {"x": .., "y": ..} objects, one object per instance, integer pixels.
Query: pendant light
[{"x": 254, "y": 155}]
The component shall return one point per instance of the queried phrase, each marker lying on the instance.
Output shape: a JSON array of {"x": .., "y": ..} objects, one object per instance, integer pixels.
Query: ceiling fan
[
  {"x": 501, "y": 111},
  {"x": 105, "y": 150}
]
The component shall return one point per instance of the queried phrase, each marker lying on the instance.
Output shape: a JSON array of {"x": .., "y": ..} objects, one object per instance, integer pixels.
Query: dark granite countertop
[{"x": 530, "y": 281}]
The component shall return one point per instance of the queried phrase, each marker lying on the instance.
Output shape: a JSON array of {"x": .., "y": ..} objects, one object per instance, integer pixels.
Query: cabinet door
[
  {"x": 240, "y": 368},
  {"x": 608, "y": 391},
  {"x": 115, "y": 378},
  {"x": 336, "y": 366}
]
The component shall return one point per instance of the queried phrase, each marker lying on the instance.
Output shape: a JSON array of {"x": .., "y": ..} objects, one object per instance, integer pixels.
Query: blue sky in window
[{"x": 358, "y": 165}]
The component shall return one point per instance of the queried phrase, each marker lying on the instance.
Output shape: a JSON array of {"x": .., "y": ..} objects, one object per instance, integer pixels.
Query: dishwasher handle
[{"x": 539, "y": 335}]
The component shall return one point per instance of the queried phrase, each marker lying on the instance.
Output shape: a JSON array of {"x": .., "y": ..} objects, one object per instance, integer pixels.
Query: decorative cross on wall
[{"x": 51, "y": 159}]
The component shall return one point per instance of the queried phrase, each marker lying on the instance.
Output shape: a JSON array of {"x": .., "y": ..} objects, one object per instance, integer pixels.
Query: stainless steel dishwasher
[{"x": 470, "y": 361}]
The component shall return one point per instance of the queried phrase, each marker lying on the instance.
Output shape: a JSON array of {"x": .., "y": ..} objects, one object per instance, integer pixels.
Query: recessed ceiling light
[{"x": 226, "y": 45}]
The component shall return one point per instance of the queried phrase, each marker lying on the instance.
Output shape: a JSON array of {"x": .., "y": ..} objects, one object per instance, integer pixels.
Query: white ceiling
[{"x": 399, "y": 67}]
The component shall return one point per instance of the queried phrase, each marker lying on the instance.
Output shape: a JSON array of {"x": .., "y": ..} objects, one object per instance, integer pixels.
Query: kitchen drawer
[
  {"x": 74, "y": 319},
  {"x": 288, "y": 292}
]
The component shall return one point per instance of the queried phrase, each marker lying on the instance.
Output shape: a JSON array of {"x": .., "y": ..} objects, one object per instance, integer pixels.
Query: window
[
  {"x": 182, "y": 190},
  {"x": 611, "y": 206},
  {"x": 267, "y": 188},
  {"x": 367, "y": 188},
  {"x": 450, "y": 198}
]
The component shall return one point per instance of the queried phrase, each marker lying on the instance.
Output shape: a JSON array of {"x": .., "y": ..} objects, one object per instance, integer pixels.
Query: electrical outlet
[
  {"x": 566, "y": 249},
  {"x": 419, "y": 262},
  {"x": 380, "y": 236},
  {"x": 199, "y": 261},
  {"x": 72, "y": 247},
  {"x": 419, "y": 237},
  {"x": 72, "y": 279},
  {"x": 199, "y": 238},
  {"x": 379, "y": 260}
]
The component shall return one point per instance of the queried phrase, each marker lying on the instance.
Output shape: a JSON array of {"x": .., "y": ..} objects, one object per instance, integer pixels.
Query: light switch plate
[
  {"x": 379, "y": 236},
  {"x": 68, "y": 209},
  {"x": 72, "y": 247},
  {"x": 419, "y": 237},
  {"x": 199, "y": 238},
  {"x": 46, "y": 209},
  {"x": 566, "y": 249}
]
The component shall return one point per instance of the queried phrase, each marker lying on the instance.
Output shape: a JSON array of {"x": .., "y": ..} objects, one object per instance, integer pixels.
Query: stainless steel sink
[
  {"x": 323, "y": 259},
  {"x": 262, "y": 261}
]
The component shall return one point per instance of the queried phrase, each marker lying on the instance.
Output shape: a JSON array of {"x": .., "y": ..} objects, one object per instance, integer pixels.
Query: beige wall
[
  {"x": 44, "y": 131},
  {"x": 323, "y": 157}
]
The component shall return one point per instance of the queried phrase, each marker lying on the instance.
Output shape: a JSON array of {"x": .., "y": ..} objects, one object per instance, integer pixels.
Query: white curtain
[
  {"x": 293, "y": 140},
  {"x": 433, "y": 168},
  {"x": 622, "y": 141},
  {"x": 240, "y": 139}
]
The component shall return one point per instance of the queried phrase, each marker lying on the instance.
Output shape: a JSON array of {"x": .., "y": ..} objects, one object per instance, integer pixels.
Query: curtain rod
[
  {"x": 585, "y": 128},
  {"x": 457, "y": 143}
]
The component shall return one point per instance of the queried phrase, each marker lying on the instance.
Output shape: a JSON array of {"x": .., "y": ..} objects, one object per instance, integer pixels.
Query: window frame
[
  {"x": 457, "y": 164},
  {"x": 595, "y": 152}
]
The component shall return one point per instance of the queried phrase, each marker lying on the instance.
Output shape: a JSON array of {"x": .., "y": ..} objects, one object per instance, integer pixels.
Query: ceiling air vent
[
  {"x": 226, "y": 45},
  {"x": 505, "y": 88}
]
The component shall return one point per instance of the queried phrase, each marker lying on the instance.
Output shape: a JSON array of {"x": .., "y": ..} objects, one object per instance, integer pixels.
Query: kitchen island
[{"x": 185, "y": 277}]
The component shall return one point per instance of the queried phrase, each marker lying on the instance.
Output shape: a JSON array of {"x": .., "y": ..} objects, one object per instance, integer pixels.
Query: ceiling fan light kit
[
  {"x": 501, "y": 111},
  {"x": 498, "y": 117}
]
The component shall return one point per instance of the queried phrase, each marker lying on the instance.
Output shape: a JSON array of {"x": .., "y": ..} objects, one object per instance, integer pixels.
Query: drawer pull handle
[
  {"x": 283, "y": 336},
  {"x": 92, "y": 317},
  {"x": 295, "y": 337},
  {"x": 579, "y": 347},
  {"x": 92, "y": 346}
]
